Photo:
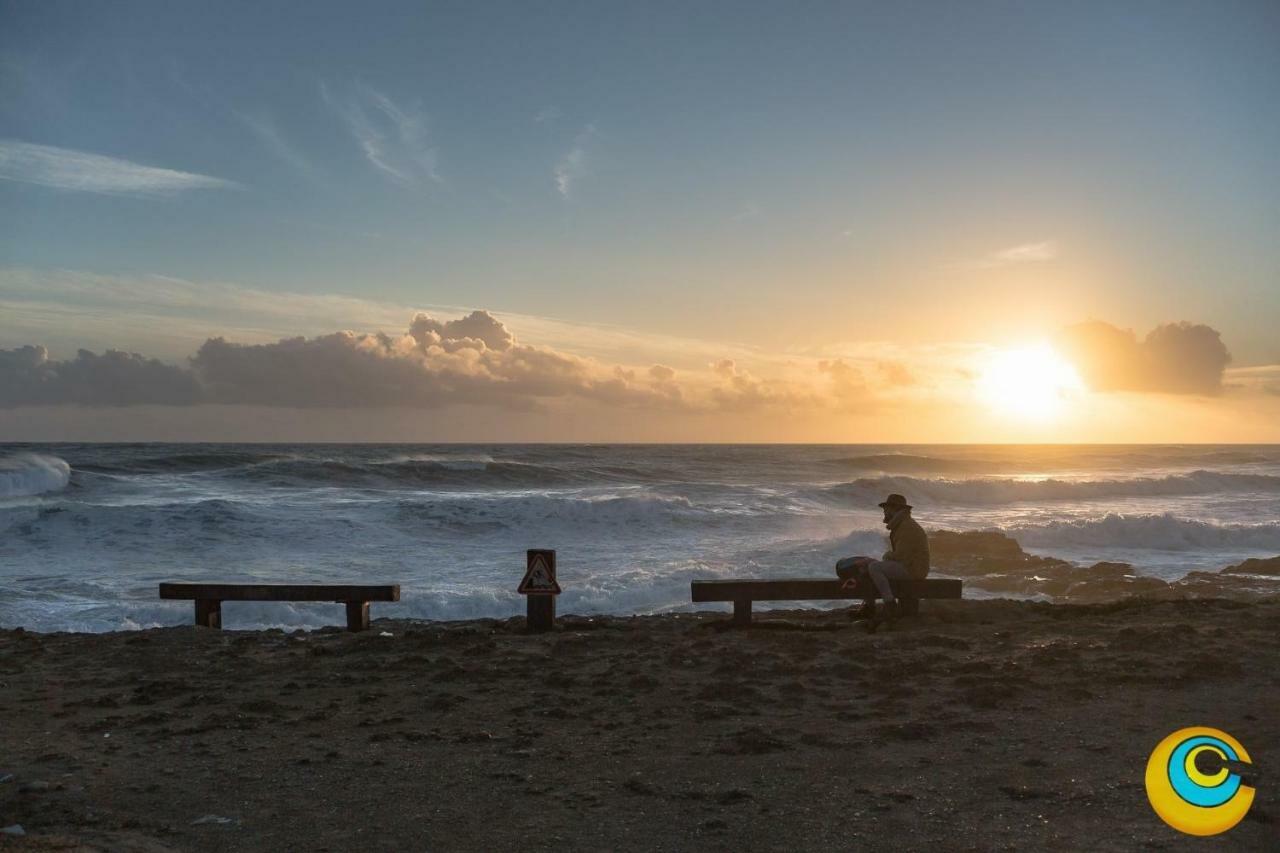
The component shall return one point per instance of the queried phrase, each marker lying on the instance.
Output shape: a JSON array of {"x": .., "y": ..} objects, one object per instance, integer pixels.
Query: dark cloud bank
[
  {"x": 476, "y": 359},
  {"x": 1176, "y": 358}
]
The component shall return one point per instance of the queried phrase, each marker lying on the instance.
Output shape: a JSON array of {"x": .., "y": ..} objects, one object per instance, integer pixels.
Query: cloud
[
  {"x": 66, "y": 169},
  {"x": 473, "y": 359},
  {"x": 739, "y": 390},
  {"x": 265, "y": 129},
  {"x": 1262, "y": 378},
  {"x": 1175, "y": 358},
  {"x": 29, "y": 377},
  {"x": 1027, "y": 253},
  {"x": 171, "y": 317},
  {"x": 470, "y": 360},
  {"x": 846, "y": 382},
  {"x": 572, "y": 165},
  {"x": 895, "y": 373},
  {"x": 394, "y": 138},
  {"x": 547, "y": 114},
  {"x": 662, "y": 373}
]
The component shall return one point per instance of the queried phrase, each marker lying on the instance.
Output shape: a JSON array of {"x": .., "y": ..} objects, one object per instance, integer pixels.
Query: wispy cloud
[
  {"x": 573, "y": 164},
  {"x": 67, "y": 169},
  {"x": 1024, "y": 253},
  {"x": 547, "y": 114},
  {"x": 269, "y": 134},
  {"x": 1045, "y": 250},
  {"x": 394, "y": 137}
]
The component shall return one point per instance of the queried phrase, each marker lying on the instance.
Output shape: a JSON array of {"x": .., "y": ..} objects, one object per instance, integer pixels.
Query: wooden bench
[
  {"x": 209, "y": 597},
  {"x": 743, "y": 592}
]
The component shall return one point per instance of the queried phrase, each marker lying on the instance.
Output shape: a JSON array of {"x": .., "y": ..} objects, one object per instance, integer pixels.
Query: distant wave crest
[
  {"x": 32, "y": 474},
  {"x": 1156, "y": 532},
  {"x": 998, "y": 491}
]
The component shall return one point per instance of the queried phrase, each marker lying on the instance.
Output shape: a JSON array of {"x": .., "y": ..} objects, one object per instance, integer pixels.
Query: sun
[{"x": 1031, "y": 383}]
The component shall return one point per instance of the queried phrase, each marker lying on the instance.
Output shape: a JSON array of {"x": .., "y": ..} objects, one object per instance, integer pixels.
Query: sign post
[{"x": 539, "y": 587}]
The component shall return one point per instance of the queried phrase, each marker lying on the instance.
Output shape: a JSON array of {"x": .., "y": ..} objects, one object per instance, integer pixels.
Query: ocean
[{"x": 87, "y": 531}]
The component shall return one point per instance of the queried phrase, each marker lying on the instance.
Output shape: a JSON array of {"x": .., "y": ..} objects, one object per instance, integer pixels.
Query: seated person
[{"x": 907, "y": 557}]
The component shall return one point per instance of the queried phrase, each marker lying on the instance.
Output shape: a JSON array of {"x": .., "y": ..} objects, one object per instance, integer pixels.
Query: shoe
[
  {"x": 883, "y": 614},
  {"x": 887, "y": 611}
]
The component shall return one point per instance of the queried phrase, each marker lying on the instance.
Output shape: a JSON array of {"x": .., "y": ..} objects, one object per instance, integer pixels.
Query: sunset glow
[{"x": 1031, "y": 383}]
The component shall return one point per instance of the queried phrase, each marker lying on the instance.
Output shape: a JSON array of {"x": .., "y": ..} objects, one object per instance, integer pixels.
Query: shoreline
[
  {"x": 978, "y": 724},
  {"x": 992, "y": 565}
]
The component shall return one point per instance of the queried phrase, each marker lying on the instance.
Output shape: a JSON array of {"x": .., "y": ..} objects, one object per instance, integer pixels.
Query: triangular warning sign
[
  {"x": 539, "y": 578},
  {"x": 850, "y": 583}
]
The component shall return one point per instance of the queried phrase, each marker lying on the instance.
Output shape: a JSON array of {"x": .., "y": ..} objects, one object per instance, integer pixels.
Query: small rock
[
  {"x": 15, "y": 829},
  {"x": 6, "y": 777},
  {"x": 36, "y": 787},
  {"x": 385, "y": 634}
]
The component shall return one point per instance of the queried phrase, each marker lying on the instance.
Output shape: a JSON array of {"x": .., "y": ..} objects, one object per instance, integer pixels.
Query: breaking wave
[
  {"x": 905, "y": 463},
  {"x": 1153, "y": 532},
  {"x": 30, "y": 474},
  {"x": 998, "y": 491}
]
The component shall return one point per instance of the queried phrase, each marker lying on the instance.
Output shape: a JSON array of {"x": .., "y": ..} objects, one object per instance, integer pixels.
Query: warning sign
[{"x": 540, "y": 574}]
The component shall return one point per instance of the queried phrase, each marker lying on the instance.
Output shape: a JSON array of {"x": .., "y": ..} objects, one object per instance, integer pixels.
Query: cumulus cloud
[
  {"x": 29, "y": 377},
  {"x": 67, "y": 169},
  {"x": 474, "y": 359},
  {"x": 847, "y": 384},
  {"x": 661, "y": 373},
  {"x": 1175, "y": 358},
  {"x": 739, "y": 390},
  {"x": 895, "y": 373}
]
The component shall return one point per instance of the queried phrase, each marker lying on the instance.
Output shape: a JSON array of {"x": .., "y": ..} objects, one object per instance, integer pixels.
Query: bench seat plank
[
  {"x": 279, "y": 592},
  {"x": 797, "y": 589}
]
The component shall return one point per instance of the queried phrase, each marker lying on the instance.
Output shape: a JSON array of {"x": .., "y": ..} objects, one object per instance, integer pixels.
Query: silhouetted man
[{"x": 907, "y": 557}]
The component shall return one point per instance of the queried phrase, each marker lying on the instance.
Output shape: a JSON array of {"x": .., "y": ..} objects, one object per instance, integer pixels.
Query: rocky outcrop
[
  {"x": 994, "y": 562},
  {"x": 1270, "y": 567}
]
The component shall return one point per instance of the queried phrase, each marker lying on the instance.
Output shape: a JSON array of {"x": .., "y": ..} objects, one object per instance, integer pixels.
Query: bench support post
[
  {"x": 208, "y": 613},
  {"x": 357, "y": 615},
  {"x": 742, "y": 612}
]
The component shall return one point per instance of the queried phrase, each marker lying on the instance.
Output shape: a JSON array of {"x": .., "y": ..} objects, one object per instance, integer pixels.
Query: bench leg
[
  {"x": 357, "y": 615},
  {"x": 742, "y": 613},
  {"x": 208, "y": 613}
]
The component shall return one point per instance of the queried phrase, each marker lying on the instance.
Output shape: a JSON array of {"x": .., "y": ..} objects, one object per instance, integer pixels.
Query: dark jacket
[{"x": 909, "y": 545}]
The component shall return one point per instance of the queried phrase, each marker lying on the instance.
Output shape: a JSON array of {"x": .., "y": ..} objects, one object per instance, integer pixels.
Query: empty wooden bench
[
  {"x": 209, "y": 597},
  {"x": 743, "y": 592}
]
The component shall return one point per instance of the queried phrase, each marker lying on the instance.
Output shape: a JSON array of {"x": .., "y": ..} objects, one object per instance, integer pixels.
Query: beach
[{"x": 977, "y": 725}]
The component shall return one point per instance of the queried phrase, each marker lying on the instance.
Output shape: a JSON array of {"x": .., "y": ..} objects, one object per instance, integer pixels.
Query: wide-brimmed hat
[{"x": 896, "y": 502}]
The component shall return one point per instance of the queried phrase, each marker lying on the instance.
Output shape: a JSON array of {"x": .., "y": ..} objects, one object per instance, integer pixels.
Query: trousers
[{"x": 880, "y": 572}]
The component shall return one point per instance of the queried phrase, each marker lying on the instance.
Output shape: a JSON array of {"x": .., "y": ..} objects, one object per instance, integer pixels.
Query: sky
[{"x": 677, "y": 222}]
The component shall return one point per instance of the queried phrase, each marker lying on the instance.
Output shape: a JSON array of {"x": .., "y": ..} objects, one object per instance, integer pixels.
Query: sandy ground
[{"x": 982, "y": 725}]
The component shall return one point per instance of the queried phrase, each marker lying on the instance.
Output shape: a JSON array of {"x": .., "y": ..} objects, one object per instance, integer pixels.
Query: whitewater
[{"x": 88, "y": 530}]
